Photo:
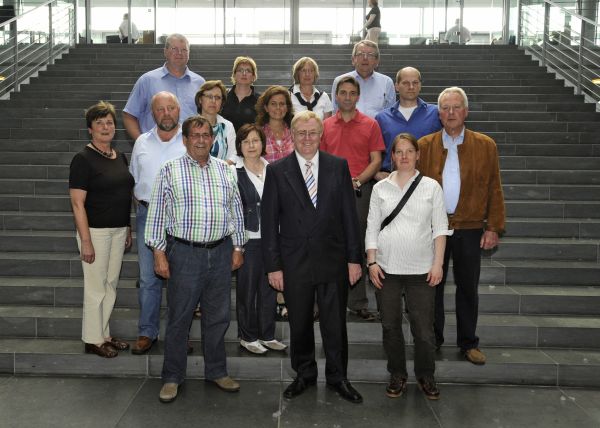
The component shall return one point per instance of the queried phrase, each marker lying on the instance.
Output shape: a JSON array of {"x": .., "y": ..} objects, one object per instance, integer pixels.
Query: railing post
[
  {"x": 519, "y": 23},
  {"x": 14, "y": 36},
  {"x": 50, "y": 34},
  {"x": 580, "y": 61},
  {"x": 546, "y": 32}
]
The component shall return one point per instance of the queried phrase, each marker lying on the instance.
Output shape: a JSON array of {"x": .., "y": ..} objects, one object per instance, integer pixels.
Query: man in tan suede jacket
[{"x": 465, "y": 163}]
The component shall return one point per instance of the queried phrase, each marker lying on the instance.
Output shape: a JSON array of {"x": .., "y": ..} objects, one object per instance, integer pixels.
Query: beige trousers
[
  {"x": 373, "y": 34},
  {"x": 100, "y": 280}
]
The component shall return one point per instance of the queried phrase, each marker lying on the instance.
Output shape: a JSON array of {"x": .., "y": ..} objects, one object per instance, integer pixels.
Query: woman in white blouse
[
  {"x": 305, "y": 95},
  {"x": 406, "y": 258}
]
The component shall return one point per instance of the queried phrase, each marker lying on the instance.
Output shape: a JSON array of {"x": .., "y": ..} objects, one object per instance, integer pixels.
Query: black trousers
[
  {"x": 463, "y": 247},
  {"x": 331, "y": 300},
  {"x": 420, "y": 304},
  {"x": 256, "y": 300}
]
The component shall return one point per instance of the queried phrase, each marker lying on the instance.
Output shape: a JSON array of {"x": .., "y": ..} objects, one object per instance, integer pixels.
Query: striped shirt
[
  {"x": 405, "y": 246},
  {"x": 196, "y": 203}
]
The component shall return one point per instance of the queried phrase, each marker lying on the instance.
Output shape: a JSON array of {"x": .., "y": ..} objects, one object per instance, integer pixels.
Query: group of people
[{"x": 290, "y": 190}]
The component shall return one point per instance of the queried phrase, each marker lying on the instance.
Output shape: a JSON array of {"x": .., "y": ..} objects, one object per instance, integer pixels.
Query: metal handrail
[
  {"x": 572, "y": 55},
  {"x": 25, "y": 50}
]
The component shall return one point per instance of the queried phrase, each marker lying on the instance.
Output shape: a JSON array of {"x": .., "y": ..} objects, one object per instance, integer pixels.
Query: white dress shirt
[
  {"x": 405, "y": 246},
  {"x": 314, "y": 167}
]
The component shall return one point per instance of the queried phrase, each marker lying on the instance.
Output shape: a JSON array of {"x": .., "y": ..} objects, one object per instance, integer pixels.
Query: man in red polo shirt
[{"x": 357, "y": 138}]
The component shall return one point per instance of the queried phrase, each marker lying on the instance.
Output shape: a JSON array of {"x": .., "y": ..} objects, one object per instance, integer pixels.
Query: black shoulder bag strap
[{"x": 402, "y": 202}]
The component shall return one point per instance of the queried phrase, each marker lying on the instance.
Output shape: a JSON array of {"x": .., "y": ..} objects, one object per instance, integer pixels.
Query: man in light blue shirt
[
  {"x": 376, "y": 90},
  {"x": 174, "y": 76}
]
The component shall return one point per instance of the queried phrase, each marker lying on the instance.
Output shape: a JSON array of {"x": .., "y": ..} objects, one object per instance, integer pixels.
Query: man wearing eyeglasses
[
  {"x": 174, "y": 76},
  {"x": 377, "y": 90},
  {"x": 195, "y": 227},
  {"x": 311, "y": 244},
  {"x": 410, "y": 114},
  {"x": 355, "y": 137},
  {"x": 466, "y": 164}
]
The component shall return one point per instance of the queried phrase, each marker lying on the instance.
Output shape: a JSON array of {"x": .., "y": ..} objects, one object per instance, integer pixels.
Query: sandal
[
  {"x": 105, "y": 350},
  {"x": 118, "y": 344}
]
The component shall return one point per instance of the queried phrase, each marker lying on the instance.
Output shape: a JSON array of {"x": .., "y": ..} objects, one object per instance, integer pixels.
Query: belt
[
  {"x": 144, "y": 203},
  {"x": 194, "y": 244}
]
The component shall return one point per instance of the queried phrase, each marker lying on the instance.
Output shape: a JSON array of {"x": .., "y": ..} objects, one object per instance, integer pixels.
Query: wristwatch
[
  {"x": 239, "y": 248},
  {"x": 371, "y": 264},
  {"x": 358, "y": 183}
]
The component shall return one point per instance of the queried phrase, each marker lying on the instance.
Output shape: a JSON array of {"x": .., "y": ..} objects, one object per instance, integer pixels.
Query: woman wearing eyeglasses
[
  {"x": 241, "y": 99},
  {"x": 209, "y": 100},
  {"x": 255, "y": 299},
  {"x": 274, "y": 114},
  {"x": 305, "y": 95}
]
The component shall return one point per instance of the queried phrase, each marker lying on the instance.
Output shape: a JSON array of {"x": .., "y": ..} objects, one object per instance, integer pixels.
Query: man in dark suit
[{"x": 311, "y": 241}]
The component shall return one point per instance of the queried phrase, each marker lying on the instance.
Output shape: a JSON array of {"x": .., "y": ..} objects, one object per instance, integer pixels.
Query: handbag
[{"x": 402, "y": 202}]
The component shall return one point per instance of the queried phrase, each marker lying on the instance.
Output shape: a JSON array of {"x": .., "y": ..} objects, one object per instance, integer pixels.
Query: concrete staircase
[{"x": 539, "y": 293}]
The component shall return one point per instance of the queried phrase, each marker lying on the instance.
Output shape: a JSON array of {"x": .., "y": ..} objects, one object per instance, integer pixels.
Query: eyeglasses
[
  {"x": 244, "y": 71},
  {"x": 447, "y": 109},
  {"x": 368, "y": 55},
  {"x": 307, "y": 134},
  {"x": 175, "y": 50},
  {"x": 253, "y": 142},
  {"x": 204, "y": 137},
  {"x": 213, "y": 97}
]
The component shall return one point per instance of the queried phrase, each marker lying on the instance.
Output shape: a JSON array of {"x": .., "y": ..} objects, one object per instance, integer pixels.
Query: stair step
[
  {"x": 493, "y": 299},
  {"x": 367, "y": 363}
]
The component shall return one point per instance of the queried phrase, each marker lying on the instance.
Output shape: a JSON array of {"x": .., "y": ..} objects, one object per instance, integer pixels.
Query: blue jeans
[
  {"x": 197, "y": 274},
  {"x": 150, "y": 292}
]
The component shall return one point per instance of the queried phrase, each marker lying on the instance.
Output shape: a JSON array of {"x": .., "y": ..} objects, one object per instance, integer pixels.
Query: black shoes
[
  {"x": 297, "y": 387},
  {"x": 346, "y": 391},
  {"x": 396, "y": 387},
  {"x": 429, "y": 388}
]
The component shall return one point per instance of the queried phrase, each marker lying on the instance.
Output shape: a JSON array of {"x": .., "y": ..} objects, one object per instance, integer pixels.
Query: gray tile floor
[{"x": 98, "y": 402}]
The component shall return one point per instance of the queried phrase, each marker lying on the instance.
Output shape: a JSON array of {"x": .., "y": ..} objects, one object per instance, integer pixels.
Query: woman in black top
[
  {"x": 100, "y": 187},
  {"x": 373, "y": 22},
  {"x": 239, "y": 105}
]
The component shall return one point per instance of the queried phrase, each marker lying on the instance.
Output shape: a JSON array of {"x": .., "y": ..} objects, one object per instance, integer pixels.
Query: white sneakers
[
  {"x": 261, "y": 346},
  {"x": 273, "y": 345}
]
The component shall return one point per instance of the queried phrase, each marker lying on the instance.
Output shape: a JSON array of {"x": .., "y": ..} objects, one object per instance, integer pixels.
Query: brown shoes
[
  {"x": 227, "y": 384},
  {"x": 396, "y": 387},
  {"x": 475, "y": 356},
  {"x": 142, "y": 345},
  {"x": 118, "y": 344},
  {"x": 429, "y": 388},
  {"x": 106, "y": 350},
  {"x": 364, "y": 315},
  {"x": 168, "y": 392}
]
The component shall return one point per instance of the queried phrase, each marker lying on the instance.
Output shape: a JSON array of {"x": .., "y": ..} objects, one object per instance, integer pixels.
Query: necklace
[
  {"x": 261, "y": 168},
  {"x": 108, "y": 155}
]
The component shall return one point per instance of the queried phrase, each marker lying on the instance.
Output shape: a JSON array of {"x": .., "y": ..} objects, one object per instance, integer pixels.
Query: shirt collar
[
  {"x": 195, "y": 162},
  {"x": 451, "y": 142},
  {"x": 240, "y": 162},
  {"x": 302, "y": 161},
  {"x": 338, "y": 117},
  {"x": 296, "y": 89},
  {"x": 155, "y": 133},
  {"x": 166, "y": 71}
]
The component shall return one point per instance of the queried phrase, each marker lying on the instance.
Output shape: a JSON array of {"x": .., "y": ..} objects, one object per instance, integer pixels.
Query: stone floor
[{"x": 108, "y": 402}]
